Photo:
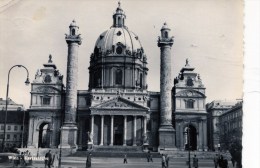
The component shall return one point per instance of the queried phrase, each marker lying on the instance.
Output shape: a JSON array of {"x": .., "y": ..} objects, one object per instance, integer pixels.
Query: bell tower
[
  {"x": 69, "y": 128},
  {"x": 166, "y": 130}
]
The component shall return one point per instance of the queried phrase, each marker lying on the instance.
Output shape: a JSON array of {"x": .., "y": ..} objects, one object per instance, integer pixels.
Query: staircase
[{"x": 115, "y": 151}]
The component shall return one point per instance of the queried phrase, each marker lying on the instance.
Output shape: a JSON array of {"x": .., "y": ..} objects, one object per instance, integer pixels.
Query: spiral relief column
[
  {"x": 166, "y": 130},
  {"x": 69, "y": 128}
]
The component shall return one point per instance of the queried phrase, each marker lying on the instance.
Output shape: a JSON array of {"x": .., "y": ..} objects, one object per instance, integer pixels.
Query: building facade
[
  {"x": 117, "y": 109},
  {"x": 16, "y": 124},
  {"x": 231, "y": 126},
  {"x": 189, "y": 110},
  {"x": 215, "y": 109}
]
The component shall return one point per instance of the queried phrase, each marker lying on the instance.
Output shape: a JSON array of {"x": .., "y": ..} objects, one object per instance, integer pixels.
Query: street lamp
[
  {"x": 188, "y": 141},
  {"x": 23, "y": 127},
  {"x": 27, "y": 82}
]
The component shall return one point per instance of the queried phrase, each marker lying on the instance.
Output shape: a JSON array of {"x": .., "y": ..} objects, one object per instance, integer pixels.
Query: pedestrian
[
  {"x": 22, "y": 159},
  {"x": 220, "y": 161},
  {"x": 216, "y": 159},
  {"x": 195, "y": 162},
  {"x": 167, "y": 158},
  {"x": 233, "y": 161},
  {"x": 48, "y": 159},
  {"x": 55, "y": 160},
  {"x": 88, "y": 162},
  {"x": 163, "y": 161},
  {"x": 125, "y": 159},
  {"x": 225, "y": 163},
  {"x": 149, "y": 157}
]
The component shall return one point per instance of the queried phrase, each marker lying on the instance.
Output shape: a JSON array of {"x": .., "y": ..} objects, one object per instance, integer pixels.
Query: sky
[{"x": 207, "y": 32}]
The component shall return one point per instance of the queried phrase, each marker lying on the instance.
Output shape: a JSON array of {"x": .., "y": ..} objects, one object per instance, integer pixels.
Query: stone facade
[
  {"x": 189, "y": 110},
  {"x": 47, "y": 99},
  {"x": 215, "y": 109},
  {"x": 117, "y": 109},
  {"x": 166, "y": 130}
]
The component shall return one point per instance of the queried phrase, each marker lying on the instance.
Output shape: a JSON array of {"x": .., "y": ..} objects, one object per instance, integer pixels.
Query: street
[{"x": 75, "y": 162}]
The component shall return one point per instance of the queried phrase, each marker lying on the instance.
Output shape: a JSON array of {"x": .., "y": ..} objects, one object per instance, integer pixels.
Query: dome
[
  {"x": 118, "y": 60},
  {"x": 118, "y": 40}
]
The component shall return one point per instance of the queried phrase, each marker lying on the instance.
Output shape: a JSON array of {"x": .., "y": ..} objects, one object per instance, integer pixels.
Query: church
[{"x": 117, "y": 110}]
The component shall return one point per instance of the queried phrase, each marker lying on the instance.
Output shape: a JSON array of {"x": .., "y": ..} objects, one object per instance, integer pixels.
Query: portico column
[
  {"x": 92, "y": 124},
  {"x": 134, "y": 142},
  {"x": 145, "y": 123},
  {"x": 125, "y": 129},
  {"x": 102, "y": 130},
  {"x": 112, "y": 131}
]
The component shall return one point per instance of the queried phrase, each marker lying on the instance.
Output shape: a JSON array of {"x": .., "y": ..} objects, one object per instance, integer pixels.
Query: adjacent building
[
  {"x": 230, "y": 126},
  {"x": 16, "y": 124},
  {"x": 215, "y": 109}
]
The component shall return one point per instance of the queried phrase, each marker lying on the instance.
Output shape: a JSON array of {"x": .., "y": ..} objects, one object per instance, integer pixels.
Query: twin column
[{"x": 112, "y": 129}]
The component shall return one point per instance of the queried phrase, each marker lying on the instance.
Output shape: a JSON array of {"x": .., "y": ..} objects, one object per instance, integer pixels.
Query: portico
[{"x": 118, "y": 122}]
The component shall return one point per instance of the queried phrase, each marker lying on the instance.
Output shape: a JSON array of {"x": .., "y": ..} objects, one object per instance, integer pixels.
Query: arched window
[
  {"x": 119, "y": 75},
  {"x": 73, "y": 32},
  {"x": 119, "y": 21},
  {"x": 166, "y": 34},
  {"x": 190, "y": 104}
]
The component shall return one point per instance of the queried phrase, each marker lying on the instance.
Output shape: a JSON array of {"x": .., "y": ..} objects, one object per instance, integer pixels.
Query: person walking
[
  {"x": 55, "y": 160},
  {"x": 88, "y": 162},
  {"x": 195, "y": 162},
  {"x": 125, "y": 159},
  {"x": 233, "y": 161},
  {"x": 149, "y": 157},
  {"x": 167, "y": 158},
  {"x": 216, "y": 158},
  {"x": 220, "y": 161},
  {"x": 48, "y": 159},
  {"x": 163, "y": 161}
]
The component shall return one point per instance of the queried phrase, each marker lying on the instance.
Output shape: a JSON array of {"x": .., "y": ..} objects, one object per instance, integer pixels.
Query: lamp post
[
  {"x": 188, "y": 141},
  {"x": 23, "y": 127},
  {"x": 188, "y": 134},
  {"x": 27, "y": 82},
  {"x": 60, "y": 147}
]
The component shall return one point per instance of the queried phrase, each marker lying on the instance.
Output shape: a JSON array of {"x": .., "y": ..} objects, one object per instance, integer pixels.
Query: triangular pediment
[
  {"x": 119, "y": 103},
  {"x": 190, "y": 93}
]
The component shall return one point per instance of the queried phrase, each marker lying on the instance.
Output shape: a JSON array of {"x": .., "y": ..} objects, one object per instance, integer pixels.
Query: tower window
[
  {"x": 190, "y": 104},
  {"x": 166, "y": 34},
  {"x": 73, "y": 32},
  {"x": 119, "y": 75},
  {"x": 189, "y": 82}
]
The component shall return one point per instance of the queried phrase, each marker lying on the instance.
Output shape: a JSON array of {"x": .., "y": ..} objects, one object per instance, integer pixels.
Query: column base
[
  {"x": 166, "y": 138},
  {"x": 145, "y": 147},
  {"x": 90, "y": 145},
  {"x": 69, "y": 136}
]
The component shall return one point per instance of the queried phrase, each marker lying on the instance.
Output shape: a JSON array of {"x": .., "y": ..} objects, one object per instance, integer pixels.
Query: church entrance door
[
  {"x": 191, "y": 138},
  {"x": 119, "y": 130},
  {"x": 118, "y": 138},
  {"x": 44, "y": 135}
]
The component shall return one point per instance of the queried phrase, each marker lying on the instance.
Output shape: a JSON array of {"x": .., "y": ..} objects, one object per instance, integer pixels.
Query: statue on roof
[
  {"x": 50, "y": 59},
  {"x": 187, "y": 62}
]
